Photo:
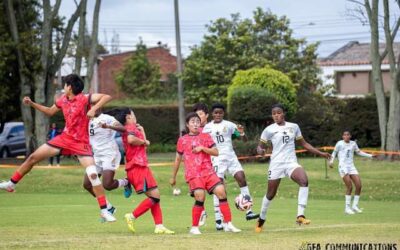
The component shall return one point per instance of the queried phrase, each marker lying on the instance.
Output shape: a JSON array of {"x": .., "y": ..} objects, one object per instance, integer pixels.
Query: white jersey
[
  {"x": 102, "y": 139},
  {"x": 283, "y": 141},
  {"x": 345, "y": 152},
  {"x": 221, "y": 134}
]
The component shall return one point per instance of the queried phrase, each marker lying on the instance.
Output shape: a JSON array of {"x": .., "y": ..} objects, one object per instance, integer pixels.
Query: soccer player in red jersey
[
  {"x": 77, "y": 108},
  {"x": 195, "y": 149},
  {"x": 138, "y": 171}
]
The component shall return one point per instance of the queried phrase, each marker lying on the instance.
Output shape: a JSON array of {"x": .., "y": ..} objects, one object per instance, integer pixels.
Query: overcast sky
[{"x": 327, "y": 21}]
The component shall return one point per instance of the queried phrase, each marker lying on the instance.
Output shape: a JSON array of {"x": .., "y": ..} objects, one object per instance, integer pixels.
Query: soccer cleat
[
  {"x": 348, "y": 211},
  {"x": 356, "y": 209},
  {"x": 107, "y": 217},
  {"x": 112, "y": 210},
  {"x": 128, "y": 190},
  {"x": 219, "y": 226},
  {"x": 203, "y": 218},
  {"x": 250, "y": 215},
  {"x": 259, "y": 225},
  {"x": 131, "y": 222},
  {"x": 301, "y": 220},
  {"x": 163, "y": 230},
  {"x": 195, "y": 231},
  {"x": 229, "y": 227},
  {"x": 7, "y": 186}
]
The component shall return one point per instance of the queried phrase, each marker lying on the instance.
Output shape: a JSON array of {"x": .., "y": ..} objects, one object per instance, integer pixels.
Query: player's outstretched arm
[
  {"x": 264, "y": 147},
  {"x": 98, "y": 100},
  {"x": 363, "y": 154},
  {"x": 50, "y": 111},
  {"x": 115, "y": 126},
  {"x": 175, "y": 169},
  {"x": 311, "y": 149}
]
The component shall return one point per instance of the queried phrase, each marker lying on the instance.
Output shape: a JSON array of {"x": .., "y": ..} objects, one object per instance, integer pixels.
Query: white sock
[
  {"x": 355, "y": 200},
  {"x": 12, "y": 184},
  {"x": 348, "y": 200},
  {"x": 122, "y": 182},
  {"x": 159, "y": 226},
  {"x": 245, "y": 190},
  {"x": 109, "y": 205},
  {"x": 302, "y": 200},
  {"x": 264, "y": 207},
  {"x": 104, "y": 210},
  {"x": 217, "y": 211}
]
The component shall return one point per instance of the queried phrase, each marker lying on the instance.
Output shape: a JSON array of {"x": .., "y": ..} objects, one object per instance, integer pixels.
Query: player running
[
  {"x": 102, "y": 130},
  {"x": 138, "y": 171},
  {"x": 283, "y": 136},
  {"x": 195, "y": 149},
  {"x": 345, "y": 150},
  {"x": 222, "y": 133},
  {"x": 77, "y": 109}
]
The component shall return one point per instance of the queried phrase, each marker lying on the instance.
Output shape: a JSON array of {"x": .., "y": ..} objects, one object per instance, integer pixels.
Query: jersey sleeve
[
  {"x": 209, "y": 142},
  {"x": 179, "y": 146},
  {"x": 206, "y": 129},
  {"x": 58, "y": 102},
  {"x": 266, "y": 136},
  {"x": 297, "y": 133},
  {"x": 356, "y": 148}
]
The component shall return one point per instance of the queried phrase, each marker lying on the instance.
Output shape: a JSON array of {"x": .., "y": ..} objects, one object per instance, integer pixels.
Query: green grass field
[{"x": 50, "y": 210}]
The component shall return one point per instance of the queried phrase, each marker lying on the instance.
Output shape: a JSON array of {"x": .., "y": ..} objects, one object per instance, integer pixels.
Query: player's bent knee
[
  {"x": 155, "y": 200},
  {"x": 93, "y": 176}
]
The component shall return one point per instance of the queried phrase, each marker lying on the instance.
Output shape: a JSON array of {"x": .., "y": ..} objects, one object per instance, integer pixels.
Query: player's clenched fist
[{"x": 27, "y": 100}]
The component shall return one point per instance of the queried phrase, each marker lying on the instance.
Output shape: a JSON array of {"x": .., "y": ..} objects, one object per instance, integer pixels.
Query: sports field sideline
[{"x": 50, "y": 210}]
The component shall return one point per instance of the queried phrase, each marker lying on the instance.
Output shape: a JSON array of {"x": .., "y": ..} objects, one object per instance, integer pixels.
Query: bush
[
  {"x": 274, "y": 82},
  {"x": 249, "y": 105}
]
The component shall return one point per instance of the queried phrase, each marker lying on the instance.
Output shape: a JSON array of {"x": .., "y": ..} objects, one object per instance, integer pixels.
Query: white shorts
[
  {"x": 221, "y": 166},
  {"x": 347, "y": 170},
  {"x": 107, "y": 162},
  {"x": 281, "y": 169}
]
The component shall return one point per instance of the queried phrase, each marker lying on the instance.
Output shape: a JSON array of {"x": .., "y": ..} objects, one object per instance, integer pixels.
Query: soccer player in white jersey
[
  {"x": 282, "y": 136},
  {"x": 222, "y": 133},
  {"x": 345, "y": 149},
  {"x": 102, "y": 130}
]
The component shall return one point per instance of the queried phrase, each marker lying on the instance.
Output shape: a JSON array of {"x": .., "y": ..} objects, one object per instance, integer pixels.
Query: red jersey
[
  {"x": 196, "y": 164},
  {"x": 75, "y": 115},
  {"x": 135, "y": 155}
]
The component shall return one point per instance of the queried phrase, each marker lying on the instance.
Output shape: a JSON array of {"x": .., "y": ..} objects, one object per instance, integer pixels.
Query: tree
[
  {"x": 240, "y": 44},
  {"x": 20, "y": 55},
  {"x": 389, "y": 119},
  {"x": 139, "y": 78}
]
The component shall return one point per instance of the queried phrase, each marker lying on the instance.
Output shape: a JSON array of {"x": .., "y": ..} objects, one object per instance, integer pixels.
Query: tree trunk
[
  {"x": 24, "y": 83},
  {"x": 81, "y": 39},
  {"x": 376, "y": 69},
  {"x": 93, "y": 47},
  {"x": 393, "y": 126}
]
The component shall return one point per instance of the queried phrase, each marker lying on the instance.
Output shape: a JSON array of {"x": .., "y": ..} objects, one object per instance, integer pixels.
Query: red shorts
[
  {"x": 70, "y": 146},
  {"x": 208, "y": 183},
  {"x": 141, "y": 179}
]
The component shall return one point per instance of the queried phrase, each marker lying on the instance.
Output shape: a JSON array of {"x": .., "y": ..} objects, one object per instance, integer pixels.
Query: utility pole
[{"x": 179, "y": 68}]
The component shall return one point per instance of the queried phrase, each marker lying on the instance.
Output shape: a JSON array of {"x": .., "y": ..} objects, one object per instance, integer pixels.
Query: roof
[{"x": 354, "y": 53}]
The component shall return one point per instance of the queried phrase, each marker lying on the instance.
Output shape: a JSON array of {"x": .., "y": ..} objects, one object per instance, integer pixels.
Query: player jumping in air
[
  {"x": 283, "y": 136},
  {"x": 106, "y": 154},
  {"x": 77, "y": 109},
  {"x": 195, "y": 149},
  {"x": 139, "y": 173},
  {"x": 222, "y": 133},
  {"x": 345, "y": 150}
]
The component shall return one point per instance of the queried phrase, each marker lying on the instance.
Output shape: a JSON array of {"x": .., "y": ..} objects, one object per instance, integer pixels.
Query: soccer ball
[
  {"x": 243, "y": 202},
  {"x": 176, "y": 191}
]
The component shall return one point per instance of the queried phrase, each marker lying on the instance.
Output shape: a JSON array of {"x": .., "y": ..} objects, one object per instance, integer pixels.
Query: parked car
[{"x": 12, "y": 140}]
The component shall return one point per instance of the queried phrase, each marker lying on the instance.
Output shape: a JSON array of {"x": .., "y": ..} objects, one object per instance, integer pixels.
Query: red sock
[
  {"x": 225, "y": 210},
  {"x": 102, "y": 201},
  {"x": 196, "y": 213},
  {"x": 142, "y": 208},
  {"x": 157, "y": 214},
  {"x": 16, "y": 177}
]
